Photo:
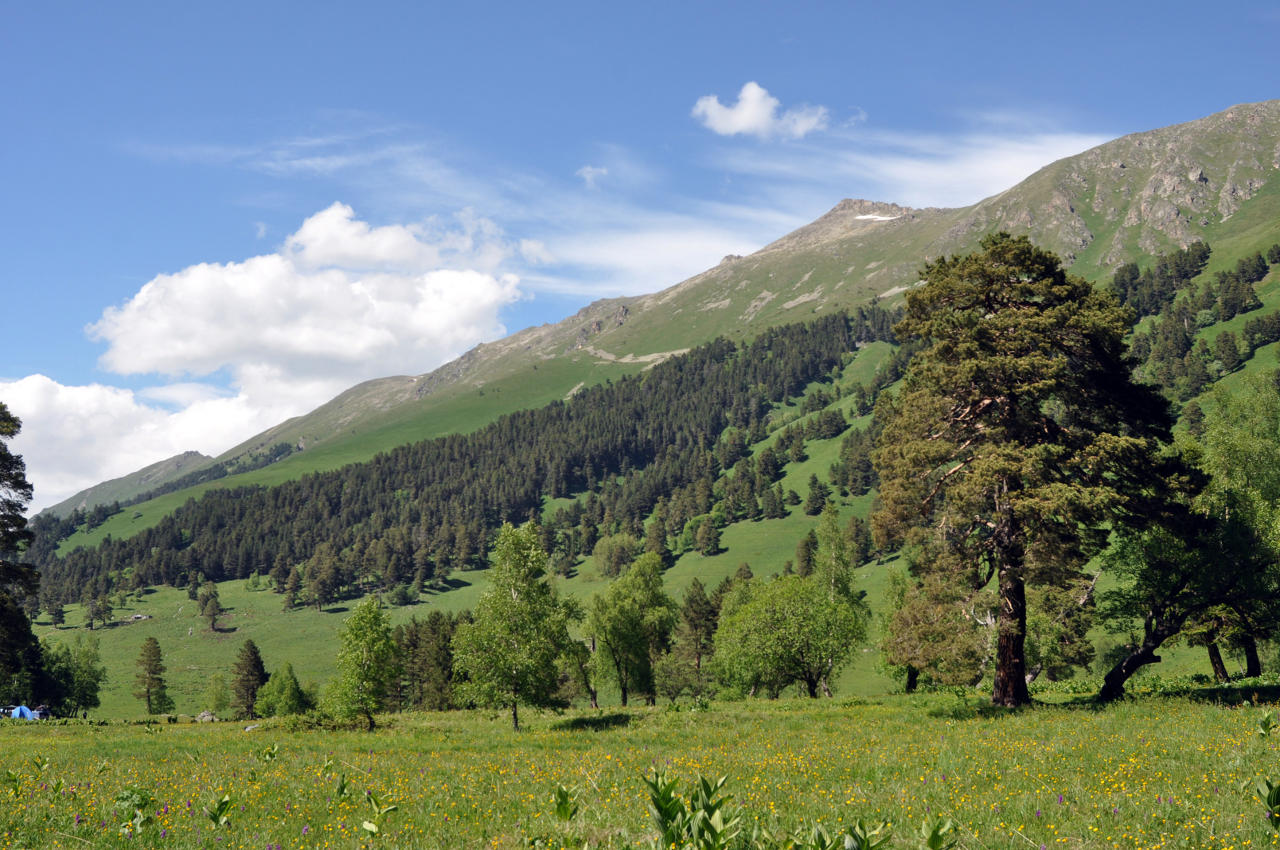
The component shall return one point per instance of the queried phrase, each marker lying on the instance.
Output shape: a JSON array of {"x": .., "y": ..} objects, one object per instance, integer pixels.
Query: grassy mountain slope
[
  {"x": 1209, "y": 179},
  {"x": 134, "y": 484}
]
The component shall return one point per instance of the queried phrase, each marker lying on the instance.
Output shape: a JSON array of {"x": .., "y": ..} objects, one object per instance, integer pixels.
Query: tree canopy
[
  {"x": 507, "y": 654},
  {"x": 1019, "y": 435},
  {"x": 22, "y": 675},
  {"x": 367, "y": 663}
]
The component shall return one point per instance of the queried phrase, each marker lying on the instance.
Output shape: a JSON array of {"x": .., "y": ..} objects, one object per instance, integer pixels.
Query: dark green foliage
[
  {"x": 818, "y": 495},
  {"x": 1149, "y": 291},
  {"x": 805, "y": 551},
  {"x": 420, "y": 511},
  {"x": 426, "y": 662},
  {"x": 149, "y": 684},
  {"x": 247, "y": 677},
  {"x": 1018, "y": 439},
  {"x": 22, "y": 676},
  {"x": 1227, "y": 351},
  {"x": 76, "y": 672}
]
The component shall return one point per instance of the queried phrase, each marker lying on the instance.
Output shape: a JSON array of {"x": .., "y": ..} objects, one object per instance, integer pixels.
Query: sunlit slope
[{"x": 1124, "y": 200}]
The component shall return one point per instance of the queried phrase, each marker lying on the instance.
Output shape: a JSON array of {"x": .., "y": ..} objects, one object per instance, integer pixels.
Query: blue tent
[{"x": 22, "y": 713}]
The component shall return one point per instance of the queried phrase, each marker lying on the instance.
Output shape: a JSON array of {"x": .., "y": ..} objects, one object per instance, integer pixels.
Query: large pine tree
[
  {"x": 21, "y": 667},
  {"x": 1019, "y": 435}
]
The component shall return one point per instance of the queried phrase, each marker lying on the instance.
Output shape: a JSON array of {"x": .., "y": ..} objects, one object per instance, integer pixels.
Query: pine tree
[
  {"x": 149, "y": 684},
  {"x": 1019, "y": 440},
  {"x": 818, "y": 495},
  {"x": 247, "y": 676}
]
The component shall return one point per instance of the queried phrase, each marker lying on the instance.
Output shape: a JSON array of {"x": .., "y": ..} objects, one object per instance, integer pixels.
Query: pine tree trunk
[
  {"x": 1010, "y": 689},
  {"x": 1252, "y": 663},
  {"x": 1216, "y": 662}
]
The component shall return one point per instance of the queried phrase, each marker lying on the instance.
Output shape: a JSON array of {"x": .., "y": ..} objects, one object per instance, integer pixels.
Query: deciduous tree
[
  {"x": 367, "y": 663},
  {"x": 631, "y": 623},
  {"x": 508, "y": 652}
]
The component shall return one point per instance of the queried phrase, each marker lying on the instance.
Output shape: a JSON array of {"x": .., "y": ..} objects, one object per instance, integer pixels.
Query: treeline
[
  {"x": 50, "y": 530},
  {"x": 417, "y": 513}
]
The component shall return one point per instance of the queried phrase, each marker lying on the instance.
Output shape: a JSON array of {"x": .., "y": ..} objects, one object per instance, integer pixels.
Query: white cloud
[
  {"x": 333, "y": 237},
  {"x": 591, "y": 173},
  {"x": 916, "y": 170},
  {"x": 646, "y": 257},
  {"x": 340, "y": 302},
  {"x": 756, "y": 114},
  {"x": 76, "y": 436}
]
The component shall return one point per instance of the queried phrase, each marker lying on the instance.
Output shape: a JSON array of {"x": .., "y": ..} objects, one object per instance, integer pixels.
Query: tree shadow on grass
[
  {"x": 1236, "y": 694},
  {"x": 593, "y": 724}
]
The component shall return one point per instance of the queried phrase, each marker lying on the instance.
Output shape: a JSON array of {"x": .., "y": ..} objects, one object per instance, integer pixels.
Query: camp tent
[{"x": 22, "y": 713}]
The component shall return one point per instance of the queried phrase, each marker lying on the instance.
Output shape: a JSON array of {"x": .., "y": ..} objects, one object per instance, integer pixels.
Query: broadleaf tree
[
  {"x": 507, "y": 654},
  {"x": 631, "y": 624},
  {"x": 1019, "y": 438},
  {"x": 367, "y": 663}
]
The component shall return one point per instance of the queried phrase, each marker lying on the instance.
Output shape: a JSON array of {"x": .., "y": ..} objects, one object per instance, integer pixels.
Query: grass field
[{"x": 1157, "y": 773}]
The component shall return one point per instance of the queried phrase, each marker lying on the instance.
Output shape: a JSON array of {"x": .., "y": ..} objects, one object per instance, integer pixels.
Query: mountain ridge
[{"x": 1117, "y": 202}]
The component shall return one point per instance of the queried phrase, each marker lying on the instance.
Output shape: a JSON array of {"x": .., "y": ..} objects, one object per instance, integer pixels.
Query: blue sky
[{"x": 215, "y": 216}]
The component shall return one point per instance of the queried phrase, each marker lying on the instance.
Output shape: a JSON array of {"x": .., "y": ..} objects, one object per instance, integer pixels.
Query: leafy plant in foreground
[
  {"x": 565, "y": 803},
  {"x": 936, "y": 835},
  {"x": 705, "y": 822},
  {"x": 1269, "y": 794},
  {"x": 134, "y": 806},
  {"x": 380, "y": 810},
  {"x": 217, "y": 811}
]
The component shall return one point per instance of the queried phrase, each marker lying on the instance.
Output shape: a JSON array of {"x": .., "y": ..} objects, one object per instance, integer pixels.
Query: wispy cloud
[
  {"x": 917, "y": 170},
  {"x": 590, "y": 174}
]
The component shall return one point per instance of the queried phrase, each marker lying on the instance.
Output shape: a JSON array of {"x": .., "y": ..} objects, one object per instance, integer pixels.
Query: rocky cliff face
[{"x": 1143, "y": 193}]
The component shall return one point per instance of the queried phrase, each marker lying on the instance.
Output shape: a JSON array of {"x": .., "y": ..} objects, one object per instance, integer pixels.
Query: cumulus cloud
[
  {"x": 339, "y": 302},
  {"x": 756, "y": 114},
  {"x": 76, "y": 436}
]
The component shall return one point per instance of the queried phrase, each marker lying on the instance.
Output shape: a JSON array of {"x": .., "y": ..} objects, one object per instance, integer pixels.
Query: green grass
[{"x": 1152, "y": 773}]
